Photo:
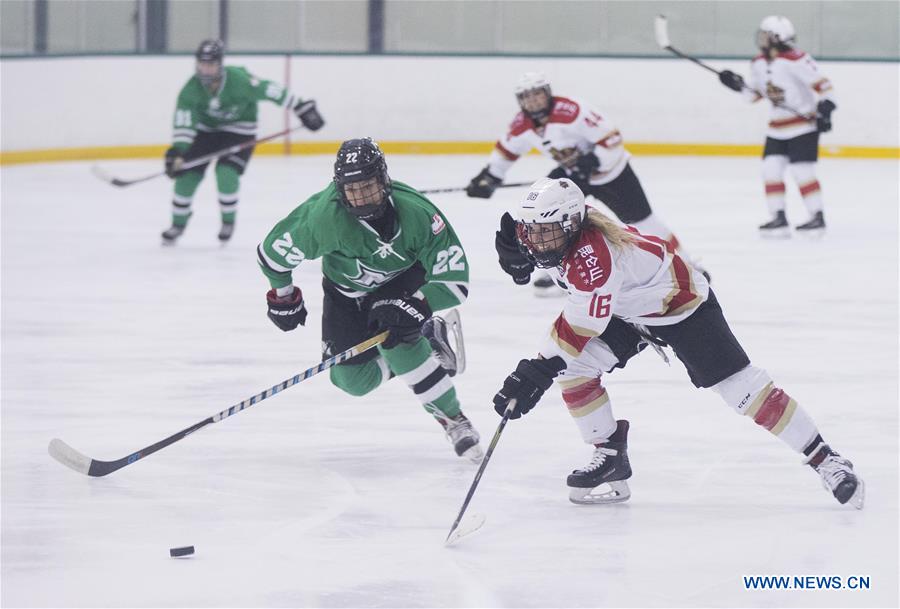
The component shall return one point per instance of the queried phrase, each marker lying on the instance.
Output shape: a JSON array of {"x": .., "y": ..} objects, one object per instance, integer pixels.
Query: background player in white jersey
[
  {"x": 788, "y": 76},
  {"x": 587, "y": 147},
  {"x": 624, "y": 288}
]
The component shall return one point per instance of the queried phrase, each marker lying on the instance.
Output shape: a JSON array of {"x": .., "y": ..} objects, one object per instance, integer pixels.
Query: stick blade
[
  {"x": 468, "y": 525},
  {"x": 69, "y": 457},
  {"x": 661, "y": 28}
]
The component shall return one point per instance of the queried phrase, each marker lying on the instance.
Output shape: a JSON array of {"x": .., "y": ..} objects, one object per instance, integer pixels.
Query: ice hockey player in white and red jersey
[
  {"x": 789, "y": 78},
  {"x": 625, "y": 289},
  {"x": 588, "y": 148}
]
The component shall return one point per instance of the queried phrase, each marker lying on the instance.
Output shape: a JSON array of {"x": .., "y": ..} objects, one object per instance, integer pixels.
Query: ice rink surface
[{"x": 317, "y": 499}]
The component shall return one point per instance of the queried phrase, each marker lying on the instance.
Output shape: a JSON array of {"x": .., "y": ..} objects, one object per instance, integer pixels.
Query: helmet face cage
[
  {"x": 210, "y": 55},
  {"x": 547, "y": 243},
  {"x": 361, "y": 177}
]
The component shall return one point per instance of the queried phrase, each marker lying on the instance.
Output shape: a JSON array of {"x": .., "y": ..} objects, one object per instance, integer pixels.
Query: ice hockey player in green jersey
[
  {"x": 217, "y": 109},
  {"x": 389, "y": 258}
]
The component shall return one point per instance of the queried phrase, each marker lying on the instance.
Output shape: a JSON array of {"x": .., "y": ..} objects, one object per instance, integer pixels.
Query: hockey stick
[
  {"x": 434, "y": 191},
  {"x": 456, "y": 531},
  {"x": 103, "y": 175},
  {"x": 661, "y": 28},
  {"x": 73, "y": 459}
]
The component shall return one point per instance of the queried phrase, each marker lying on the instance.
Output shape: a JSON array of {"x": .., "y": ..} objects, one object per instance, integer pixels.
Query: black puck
[{"x": 177, "y": 552}]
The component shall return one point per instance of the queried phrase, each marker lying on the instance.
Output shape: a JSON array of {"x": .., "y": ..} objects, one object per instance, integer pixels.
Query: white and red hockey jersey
[
  {"x": 791, "y": 78},
  {"x": 572, "y": 125},
  {"x": 646, "y": 283}
]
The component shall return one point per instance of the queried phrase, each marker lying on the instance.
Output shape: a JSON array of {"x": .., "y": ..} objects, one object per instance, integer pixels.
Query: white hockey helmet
[
  {"x": 534, "y": 81},
  {"x": 775, "y": 30},
  {"x": 549, "y": 220}
]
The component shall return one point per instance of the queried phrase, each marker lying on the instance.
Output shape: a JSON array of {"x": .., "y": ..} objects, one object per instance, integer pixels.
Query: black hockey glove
[
  {"x": 733, "y": 81},
  {"x": 823, "y": 117},
  {"x": 174, "y": 161},
  {"x": 584, "y": 166},
  {"x": 286, "y": 312},
  {"x": 512, "y": 260},
  {"x": 483, "y": 185},
  {"x": 308, "y": 114},
  {"x": 402, "y": 316},
  {"x": 526, "y": 385}
]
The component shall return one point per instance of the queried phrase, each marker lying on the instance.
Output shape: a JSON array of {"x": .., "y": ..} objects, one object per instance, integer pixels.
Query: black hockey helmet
[
  {"x": 361, "y": 177},
  {"x": 211, "y": 54}
]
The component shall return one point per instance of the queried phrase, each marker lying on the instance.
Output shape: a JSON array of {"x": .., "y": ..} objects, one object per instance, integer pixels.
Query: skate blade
[
  {"x": 775, "y": 233},
  {"x": 474, "y": 454},
  {"x": 617, "y": 492},
  {"x": 813, "y": 234},
  {"x": 859, "y": 497},
  {"x": 470, "y": 523}
]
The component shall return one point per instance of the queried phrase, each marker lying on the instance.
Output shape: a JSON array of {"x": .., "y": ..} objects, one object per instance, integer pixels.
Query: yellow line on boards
[{"x": 391, "y": 147}]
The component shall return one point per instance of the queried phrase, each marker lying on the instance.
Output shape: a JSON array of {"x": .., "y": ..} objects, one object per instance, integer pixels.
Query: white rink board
[
  {"x": 127, "y": 101},
  {"x": 317, "y": 499}
]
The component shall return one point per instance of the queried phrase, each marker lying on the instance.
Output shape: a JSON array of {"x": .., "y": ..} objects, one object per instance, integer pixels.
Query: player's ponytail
[{"x": 616, "y": 235}]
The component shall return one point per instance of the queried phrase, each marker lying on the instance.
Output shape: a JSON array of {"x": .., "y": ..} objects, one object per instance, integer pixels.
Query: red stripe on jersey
[
  {"x": 792, "y": 55},
  {"x": 564, "y": 110},
  {"x": 809, "y": 188},
  {"x": 611, "y": 140},
  {"x": 789, "y": 122},
  {"x": 770, "y": 412},
  {"x": 822, "y": 85},
  {"x": 656, "y": 246},
  {"x": 566, "y": 334},
  {"x": 520, "y": 124},
  {"x": 578, "y": 396},
  {"x": 684, "y": 294},
  {"x": 774, "y": 187},
  {"x": 506, "y": 153}
]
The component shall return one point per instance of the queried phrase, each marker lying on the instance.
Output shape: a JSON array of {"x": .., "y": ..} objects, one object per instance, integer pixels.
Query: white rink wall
[{"x": 128, "y": 101}]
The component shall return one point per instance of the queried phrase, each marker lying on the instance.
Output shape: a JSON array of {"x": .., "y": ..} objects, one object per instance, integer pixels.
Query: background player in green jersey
[
  {"x": 389, "y": 258},
  {"x": 217, "y": 109}
]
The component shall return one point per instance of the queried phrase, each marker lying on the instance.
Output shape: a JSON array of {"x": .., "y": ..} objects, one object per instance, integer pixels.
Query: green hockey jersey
[
  {"x": 356, "y": 259},
  {"x": 232, "y": 108}
]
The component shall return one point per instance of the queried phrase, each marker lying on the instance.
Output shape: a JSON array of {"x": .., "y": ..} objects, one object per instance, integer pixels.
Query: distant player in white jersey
[
  {"x": 789, "y": 78},
  {"x": 588, "y": 148},
  {"x": 625, "y": 289}
]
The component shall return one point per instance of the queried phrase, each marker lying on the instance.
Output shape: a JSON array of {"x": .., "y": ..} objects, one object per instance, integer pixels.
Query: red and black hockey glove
[
  {"x": 512, "y": 260},
  {"x": 286, "y": 312},
  {"x": 403, "y": 316},
  {"x": 527, "y": 384}
]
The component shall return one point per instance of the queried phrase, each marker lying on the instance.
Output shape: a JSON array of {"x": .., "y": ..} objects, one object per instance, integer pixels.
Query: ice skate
[
  {"x": 609, "y": 468},
  {"x": 776, "y": 228},
  {"x": 171, "y": 234},
  {"x": 545, "y": 287},
  {"x": 814, "y": 228},
  {"x": 439, "y": 331},
  {"x": 462, "y": 436},
  {"x": 226, "y": 231},
  {"x": 838, "y": 477}
]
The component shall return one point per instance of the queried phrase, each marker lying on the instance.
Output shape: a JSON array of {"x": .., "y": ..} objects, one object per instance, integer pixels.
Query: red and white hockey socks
[
  {"x": 588, "y": 403},
  {"x": 751, "y": 392}
]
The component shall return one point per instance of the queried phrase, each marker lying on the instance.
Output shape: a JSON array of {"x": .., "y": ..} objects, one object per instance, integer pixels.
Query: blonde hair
[{"x": 616, "y": 235}]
